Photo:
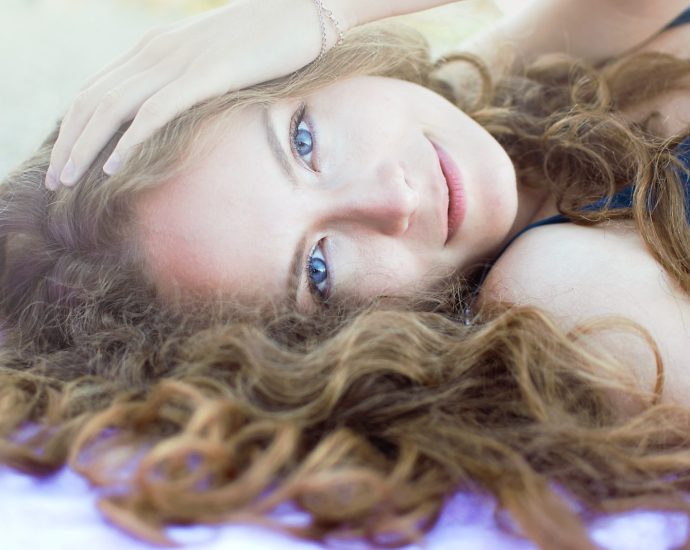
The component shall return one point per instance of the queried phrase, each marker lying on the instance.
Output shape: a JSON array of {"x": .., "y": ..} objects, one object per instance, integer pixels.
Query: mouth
[{"x": 456, "y": 192}]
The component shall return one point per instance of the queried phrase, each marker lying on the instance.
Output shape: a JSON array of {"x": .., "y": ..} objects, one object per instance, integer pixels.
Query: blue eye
[
  {"x": 301, "y": 137},
  {"x": 317, "y": 273}
]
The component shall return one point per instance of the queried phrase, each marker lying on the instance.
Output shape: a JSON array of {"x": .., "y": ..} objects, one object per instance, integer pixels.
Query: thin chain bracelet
[{"x": 324, "y": 39}]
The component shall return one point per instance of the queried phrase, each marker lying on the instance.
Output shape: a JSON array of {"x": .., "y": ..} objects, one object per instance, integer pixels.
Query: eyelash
[
  {"x": 319, "y": 294},
  {"x": 301, "y": 115}
]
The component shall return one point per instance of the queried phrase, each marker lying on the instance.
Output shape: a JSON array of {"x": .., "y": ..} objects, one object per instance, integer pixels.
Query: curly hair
[{"x": 367, "y": 417}]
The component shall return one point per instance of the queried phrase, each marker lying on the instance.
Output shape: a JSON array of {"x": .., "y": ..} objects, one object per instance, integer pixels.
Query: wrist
[
  {"x": 360, "y": 12},
  {"x": 348, "y": 12}
]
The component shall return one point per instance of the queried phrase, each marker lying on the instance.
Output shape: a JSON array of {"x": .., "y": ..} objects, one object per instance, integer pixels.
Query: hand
[{"x": 177, "y": 66}]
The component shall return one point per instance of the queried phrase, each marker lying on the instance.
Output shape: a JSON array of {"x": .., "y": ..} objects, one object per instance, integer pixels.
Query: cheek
[
  {"x": 490, "y": 176},
  {"x": 386, "y": 268}
]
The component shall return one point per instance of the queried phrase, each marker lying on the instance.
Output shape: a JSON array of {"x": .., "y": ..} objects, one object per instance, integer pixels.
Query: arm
[
  {"x": 594, "y": 30},
  {"x": 360, "y": 12},
  {"x": 578, "y": 274},
  {"x": 232, "y": 47}
]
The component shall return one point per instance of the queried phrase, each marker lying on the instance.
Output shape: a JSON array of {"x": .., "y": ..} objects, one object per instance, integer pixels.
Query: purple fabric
[{"x": 60, "y": 513}]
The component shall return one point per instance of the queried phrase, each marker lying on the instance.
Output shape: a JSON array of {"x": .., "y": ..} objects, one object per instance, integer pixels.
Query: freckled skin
[{"x": 377, "y": 197}]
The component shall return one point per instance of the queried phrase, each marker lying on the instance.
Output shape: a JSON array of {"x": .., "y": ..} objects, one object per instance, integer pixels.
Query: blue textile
[
  {"x": 680, "y": 20},
  {"x": 622, "y": 199}
]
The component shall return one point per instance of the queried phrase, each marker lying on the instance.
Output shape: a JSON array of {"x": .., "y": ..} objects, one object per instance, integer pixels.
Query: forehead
[{"x": 225, "y": 223}]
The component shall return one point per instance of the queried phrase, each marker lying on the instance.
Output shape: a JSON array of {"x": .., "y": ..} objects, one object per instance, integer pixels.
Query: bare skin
[
  {"x": 369, "y": 203},
  {"x": 173, "y": 67},
  {"x": 575, "y": 273},
  {"x": 579, "y": 273},
  {"x": 390, "y": 242}
]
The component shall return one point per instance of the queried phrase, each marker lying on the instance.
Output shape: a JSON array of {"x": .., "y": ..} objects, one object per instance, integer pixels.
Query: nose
[{"x": 381, "y": 200}]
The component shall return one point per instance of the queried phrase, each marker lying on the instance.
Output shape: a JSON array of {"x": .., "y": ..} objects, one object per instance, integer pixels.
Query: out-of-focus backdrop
[{"x": 48, "y": 48}]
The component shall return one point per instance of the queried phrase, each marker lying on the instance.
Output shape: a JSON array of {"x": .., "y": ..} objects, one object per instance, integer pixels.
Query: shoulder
[
  {"x": 581, "y": 274},
  {"x": 555, "y": 266}
]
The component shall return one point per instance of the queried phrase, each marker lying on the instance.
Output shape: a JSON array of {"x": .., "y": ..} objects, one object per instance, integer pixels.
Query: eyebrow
[
  {"x": 296, "y": 271},
  {"x": 276, "y": 148}
]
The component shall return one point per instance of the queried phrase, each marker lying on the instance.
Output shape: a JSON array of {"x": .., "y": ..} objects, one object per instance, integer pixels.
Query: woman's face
[{"x": 350, "y": 201}]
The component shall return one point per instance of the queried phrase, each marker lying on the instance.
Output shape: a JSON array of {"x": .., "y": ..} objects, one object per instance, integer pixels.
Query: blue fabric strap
[
  {"x": 622, "y": 199},
  {"x": 680, "y": 20}
]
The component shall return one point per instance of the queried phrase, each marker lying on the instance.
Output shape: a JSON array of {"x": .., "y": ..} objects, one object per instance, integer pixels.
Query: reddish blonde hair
[{"x": 368, "y": 418}]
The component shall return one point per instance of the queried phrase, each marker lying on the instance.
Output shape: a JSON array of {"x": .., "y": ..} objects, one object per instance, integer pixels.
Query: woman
[{"x": 169, "y": 299}]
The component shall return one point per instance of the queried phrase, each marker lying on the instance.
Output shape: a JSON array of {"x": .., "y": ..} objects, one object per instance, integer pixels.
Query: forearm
[
  {"x": 359, "y": 12},
  {"x": 593, "y": 30}
]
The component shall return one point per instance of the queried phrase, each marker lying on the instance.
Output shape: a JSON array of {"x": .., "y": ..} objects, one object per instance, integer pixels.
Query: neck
[{"x": 533, "y": 205}]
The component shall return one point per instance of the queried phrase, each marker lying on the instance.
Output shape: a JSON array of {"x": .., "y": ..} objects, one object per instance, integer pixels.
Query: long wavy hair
[{"x": 368, "y": 418}]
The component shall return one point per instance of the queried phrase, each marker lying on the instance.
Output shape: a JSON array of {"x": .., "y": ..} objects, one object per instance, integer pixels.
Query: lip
[{"x": 456, "y": 192}]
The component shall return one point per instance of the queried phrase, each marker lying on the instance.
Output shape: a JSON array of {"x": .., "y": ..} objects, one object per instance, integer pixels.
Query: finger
[
  {"x": 86, "y": 103},
  {"x": 72, "y": 123},
  {"x": 158, "y": 110},
  {"x": 116, "y": 107}
]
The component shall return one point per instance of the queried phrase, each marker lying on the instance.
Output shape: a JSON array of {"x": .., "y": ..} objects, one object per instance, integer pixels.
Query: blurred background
[{"x": 48, "y": 48}]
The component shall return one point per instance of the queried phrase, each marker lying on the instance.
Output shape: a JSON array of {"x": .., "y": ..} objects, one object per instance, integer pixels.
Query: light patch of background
[{"x": 49, "y": 48}]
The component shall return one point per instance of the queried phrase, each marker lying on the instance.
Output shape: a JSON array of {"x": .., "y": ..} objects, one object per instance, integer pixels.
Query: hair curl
[{"x": 367, "y": 418}]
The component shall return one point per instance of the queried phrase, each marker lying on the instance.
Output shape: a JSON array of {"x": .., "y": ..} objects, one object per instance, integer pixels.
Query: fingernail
[
  {"x": 69, "y": 173},
  {"x": 113, "y": 164},
  {"x": 51, "y": 180}
]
